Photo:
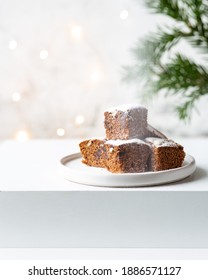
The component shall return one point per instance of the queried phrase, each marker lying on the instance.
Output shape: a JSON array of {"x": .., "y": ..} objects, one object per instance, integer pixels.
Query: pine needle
[{"x": 179, "y": 75}]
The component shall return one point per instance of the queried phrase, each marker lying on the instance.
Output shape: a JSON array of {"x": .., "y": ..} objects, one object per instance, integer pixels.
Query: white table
[
  {"x": 155, "y": 222},
  {"x": 32, "y": 166}
]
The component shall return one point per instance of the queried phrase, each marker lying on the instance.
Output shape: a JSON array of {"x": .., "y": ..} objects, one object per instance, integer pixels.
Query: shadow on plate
[{"x": 199, "y": 174}]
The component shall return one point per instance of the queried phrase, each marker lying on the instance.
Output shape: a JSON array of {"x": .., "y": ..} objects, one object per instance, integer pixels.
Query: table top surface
[
  {"x": 32, "y": 166},
  {"x": 70, "y": 215}
]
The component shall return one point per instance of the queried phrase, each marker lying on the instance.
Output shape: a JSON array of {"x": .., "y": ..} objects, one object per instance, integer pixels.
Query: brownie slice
[
  {"x": 93, "y": 152},
  {"x": 117, "y": 156},
  {"x": 126, "y": 122},
  {"x": 166, "y": 154},
  {"x": 127, "y": 156},
  {"x": 153, "y": 132}
]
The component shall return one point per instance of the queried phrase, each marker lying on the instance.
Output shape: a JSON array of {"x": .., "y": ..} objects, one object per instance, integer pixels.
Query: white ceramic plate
[{"x": 74, "y": 170}]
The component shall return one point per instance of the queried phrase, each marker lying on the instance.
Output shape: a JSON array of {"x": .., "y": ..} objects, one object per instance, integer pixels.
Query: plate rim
[{"x": 188, "y": 168}]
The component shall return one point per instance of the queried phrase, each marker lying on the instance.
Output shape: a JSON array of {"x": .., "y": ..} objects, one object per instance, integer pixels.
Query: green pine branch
[
  {"x": 178, "y": 10},
  {"x": 178, "y": 74},
  {"x": 182, "y": 74}
]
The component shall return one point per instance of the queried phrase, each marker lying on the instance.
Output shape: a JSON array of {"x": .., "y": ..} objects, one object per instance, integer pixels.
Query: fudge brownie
[
  {"x": 153, "y": 132},
  {"x": 93, "y": 152},
  {"x": 166, "y": 154},
  {"x": 117, "y": 156},
  {"x": 127, "y": 156},
  {"x": 131, "y": 145},
  {"x": 126, "y": 122}
]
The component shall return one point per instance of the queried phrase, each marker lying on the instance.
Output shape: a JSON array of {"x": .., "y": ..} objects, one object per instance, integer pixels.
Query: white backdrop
[{"x": 60, "y": 67}]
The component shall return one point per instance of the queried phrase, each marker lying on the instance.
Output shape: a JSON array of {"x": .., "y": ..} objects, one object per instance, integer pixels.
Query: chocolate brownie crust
[
  {"x": 166, "y": 154},
  {"x": 131, "y": 144},
  {"x": 127, "y": 157},
  {"x": 126, "y": 122},
  {"x": 93, "y": 152},
  {"x": 117, "y": 156},
  {"x": 153, "y": 132}
]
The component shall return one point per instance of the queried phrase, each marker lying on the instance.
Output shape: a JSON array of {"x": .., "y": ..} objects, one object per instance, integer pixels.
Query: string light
[
  {"x": 95, "y": 77},
  {"x": 124, "y": 14},
  {"x": 43, "y": 54},
  {"x": 60, "y": 132},
  {"x": 79, "y": 119},
  {"x": 16, "y": 96},
  {"x": 12, "y": 45},
  {"x": 22, "y": 136},
  {"x": 76, "y": 31}
]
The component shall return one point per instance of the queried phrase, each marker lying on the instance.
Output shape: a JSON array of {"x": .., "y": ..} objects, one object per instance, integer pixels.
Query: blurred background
[{"x": 61, "y": 67}]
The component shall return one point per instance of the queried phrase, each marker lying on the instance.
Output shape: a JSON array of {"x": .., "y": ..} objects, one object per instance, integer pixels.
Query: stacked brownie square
[{"x": 131, "y": 145}]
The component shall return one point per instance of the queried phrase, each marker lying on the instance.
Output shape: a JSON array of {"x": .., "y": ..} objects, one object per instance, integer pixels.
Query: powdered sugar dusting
[
  {"x": 154, "y": 132},
  {"x": 125, "y": 108},
  {"x": 159, "y": 142},
  {"x": 119, "y": 142}
]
